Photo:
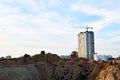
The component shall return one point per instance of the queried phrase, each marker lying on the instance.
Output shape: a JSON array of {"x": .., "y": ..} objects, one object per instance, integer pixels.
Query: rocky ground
[{"x": 51, "y": 67}]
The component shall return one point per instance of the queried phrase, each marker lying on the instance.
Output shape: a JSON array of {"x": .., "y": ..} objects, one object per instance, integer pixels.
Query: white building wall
[
  {"x": 82, "y": 45},
  {"x": 95, "y": 56}
]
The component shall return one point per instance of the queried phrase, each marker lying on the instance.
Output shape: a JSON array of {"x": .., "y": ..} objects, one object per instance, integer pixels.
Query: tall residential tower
[{"x": 86, "y": 44}]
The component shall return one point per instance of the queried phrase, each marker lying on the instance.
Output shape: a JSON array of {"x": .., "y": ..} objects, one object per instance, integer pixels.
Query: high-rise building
[{"x": 86, "y": 45}]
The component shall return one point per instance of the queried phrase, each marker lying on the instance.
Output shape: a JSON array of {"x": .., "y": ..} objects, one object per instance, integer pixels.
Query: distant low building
[
  {"x": 104, "y": 57},
  {"x": 8, "y": 57},
  {"x": 64, "y": 56},
  {"x": 2, "y": 58},
  {"x": 95, "y": 56},
  {"x": 74, "y": 54}
]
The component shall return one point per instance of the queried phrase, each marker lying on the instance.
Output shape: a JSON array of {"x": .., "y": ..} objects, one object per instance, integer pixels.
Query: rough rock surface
[
  {"x": 110, "y": 72},
  {"x": 51, "y": 67},
  {"x": 21, "y": 72}
]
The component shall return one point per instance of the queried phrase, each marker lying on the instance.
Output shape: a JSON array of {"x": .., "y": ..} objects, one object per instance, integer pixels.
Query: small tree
[
  {"x": 42, "y": 52},
  {"x": 118, "y": 57},
  {"x": 26, "y": 56}
]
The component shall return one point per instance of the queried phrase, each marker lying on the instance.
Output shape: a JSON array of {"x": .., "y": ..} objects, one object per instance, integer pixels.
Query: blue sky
[{"x": 29, "y": 26}]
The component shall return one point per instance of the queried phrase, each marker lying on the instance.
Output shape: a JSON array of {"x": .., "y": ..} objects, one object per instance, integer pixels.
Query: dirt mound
[
  {"x": 109, "y": 72},
  {"x": 52, "y": 67}
]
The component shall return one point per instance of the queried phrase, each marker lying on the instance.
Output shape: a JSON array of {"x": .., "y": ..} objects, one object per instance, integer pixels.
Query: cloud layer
[{"x": 28, "y": 26}]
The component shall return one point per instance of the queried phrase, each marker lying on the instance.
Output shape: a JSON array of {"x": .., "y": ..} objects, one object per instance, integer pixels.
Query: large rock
[
  {"x": 76, "y": 69},
  {"x": 21, "y": 72}
]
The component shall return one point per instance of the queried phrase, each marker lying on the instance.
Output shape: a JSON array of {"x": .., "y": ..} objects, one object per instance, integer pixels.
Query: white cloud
[
  {"x": 107, "y": 16},
  {"x": 30, "y": 4},
  {"x": 107, "y": 47},
  {"x": 22, "y": 33},
  {"x": 40, "y": 28}
]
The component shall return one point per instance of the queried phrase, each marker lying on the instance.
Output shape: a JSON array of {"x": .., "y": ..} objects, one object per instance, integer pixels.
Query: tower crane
[{"x": 87, "y": 27}]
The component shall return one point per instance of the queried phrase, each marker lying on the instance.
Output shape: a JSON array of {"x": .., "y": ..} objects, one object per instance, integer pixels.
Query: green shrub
[
  {"x": 26, "y": 56},
  {"x": 42, "y": 52}
]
